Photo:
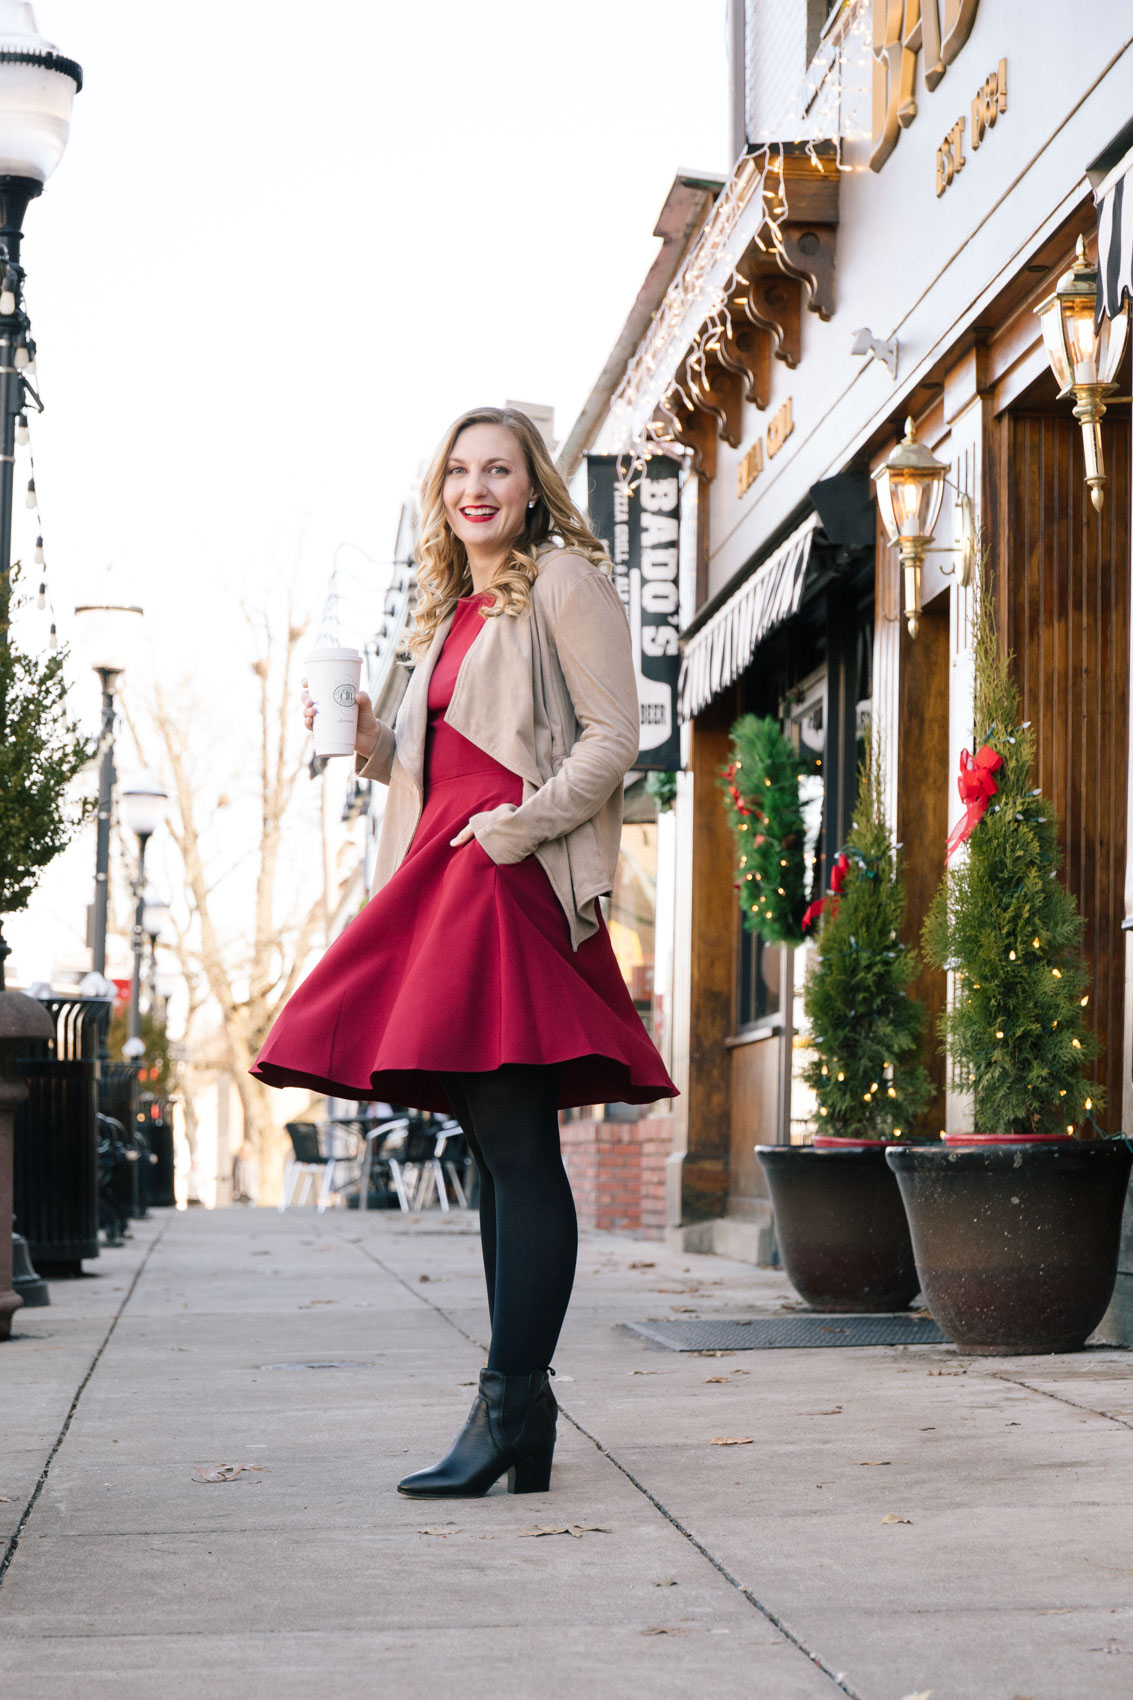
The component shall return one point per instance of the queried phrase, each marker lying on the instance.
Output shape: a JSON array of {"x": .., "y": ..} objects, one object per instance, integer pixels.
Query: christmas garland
[{"x": 760, "y": 786}]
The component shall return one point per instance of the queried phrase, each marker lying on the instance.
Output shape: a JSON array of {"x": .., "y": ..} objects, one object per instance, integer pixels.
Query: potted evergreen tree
[
  {"x": 838, "y": 1215},
  {"x": 1015, "y": 1226}
]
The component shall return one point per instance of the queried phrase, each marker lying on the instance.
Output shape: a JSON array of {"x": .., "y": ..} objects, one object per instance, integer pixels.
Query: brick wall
[{"x": 617, "y": 1173}]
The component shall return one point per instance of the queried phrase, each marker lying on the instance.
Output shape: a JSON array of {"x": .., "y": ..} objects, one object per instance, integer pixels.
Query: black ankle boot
[{"x": 511, "y": 1427}]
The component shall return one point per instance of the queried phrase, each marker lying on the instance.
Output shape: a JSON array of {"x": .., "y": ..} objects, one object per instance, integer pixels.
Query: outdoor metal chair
[
  {"x": 384, "y": 1144},
  {"x": 430, "y": 1153},
  {"x": 321, "y": 1150}
]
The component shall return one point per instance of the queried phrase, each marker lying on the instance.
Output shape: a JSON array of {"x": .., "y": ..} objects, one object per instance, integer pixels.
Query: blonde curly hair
[{"x": 443, "y": 573}]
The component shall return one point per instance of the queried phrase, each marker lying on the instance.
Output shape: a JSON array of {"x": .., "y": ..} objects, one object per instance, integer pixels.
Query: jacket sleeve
[
  {"x": 592, "y": 641},
  {"x": 379, "y": 763}
]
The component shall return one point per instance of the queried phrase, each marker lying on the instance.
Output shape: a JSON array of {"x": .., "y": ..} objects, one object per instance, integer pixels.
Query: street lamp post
[
  {"x": 37, "y": 89},
  {"x": 142, "y": 813},
  {"x": 105, "y": 629},
  {"x": 155, "y": 913}
]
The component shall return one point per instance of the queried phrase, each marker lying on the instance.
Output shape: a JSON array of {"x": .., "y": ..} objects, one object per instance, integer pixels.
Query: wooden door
[{"x": 1061, "y": 576}]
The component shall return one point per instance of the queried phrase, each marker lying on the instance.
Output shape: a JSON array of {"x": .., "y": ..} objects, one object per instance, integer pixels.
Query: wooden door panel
[{"x": 1061, "y": 577}]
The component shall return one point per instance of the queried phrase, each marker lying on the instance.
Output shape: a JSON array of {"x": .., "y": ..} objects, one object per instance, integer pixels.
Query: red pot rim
[
  {"x": 1010, "y": 1139},
  {"x": 830, "y": 1142}
]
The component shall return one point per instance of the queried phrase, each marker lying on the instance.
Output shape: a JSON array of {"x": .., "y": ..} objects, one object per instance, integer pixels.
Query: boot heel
[{"x": 531, "y": 1475}]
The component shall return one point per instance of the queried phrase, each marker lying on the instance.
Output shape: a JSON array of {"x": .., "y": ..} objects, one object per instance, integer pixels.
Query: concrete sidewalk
[{"x": 764, "y": 1570}]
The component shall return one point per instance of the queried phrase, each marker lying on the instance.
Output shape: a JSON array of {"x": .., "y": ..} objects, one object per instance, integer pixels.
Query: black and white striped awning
[
  {"x": 1113, "y": 194},
  {"x": 717, "y": 651}
]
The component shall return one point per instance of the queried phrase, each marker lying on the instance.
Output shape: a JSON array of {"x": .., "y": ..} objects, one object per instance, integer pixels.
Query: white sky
[{"x": 287, "y": 243}]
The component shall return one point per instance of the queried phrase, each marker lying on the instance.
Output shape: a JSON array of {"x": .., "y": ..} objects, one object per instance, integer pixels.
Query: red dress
[{"x": 459, "y": 964}]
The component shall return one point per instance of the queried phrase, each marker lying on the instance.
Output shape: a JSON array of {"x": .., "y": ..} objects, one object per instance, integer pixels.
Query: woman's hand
[
  {"x": 366, "y": 736},
  {"x": 463, "y": 836}
]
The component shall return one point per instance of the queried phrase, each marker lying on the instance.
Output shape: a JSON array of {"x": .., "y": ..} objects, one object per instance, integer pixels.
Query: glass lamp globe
[
  {"x": 106, "y": 633},
  {"x": 142, "y": 804},
  {"x": 38, "y": 86},
  {"x": 155, "y": 913},
  {"x": 1081, "y": 352},
  {"x": 910, "y": 489}
]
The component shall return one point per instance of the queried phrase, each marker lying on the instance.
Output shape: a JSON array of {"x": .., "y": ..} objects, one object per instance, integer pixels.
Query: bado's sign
[
  {"x": 935, "y": 30},
  {"x": 640, "y": 526}
]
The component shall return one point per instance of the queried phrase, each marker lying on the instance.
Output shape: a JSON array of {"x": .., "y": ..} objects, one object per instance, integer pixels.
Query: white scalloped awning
[
  {"x": 1115, "y": 235},
  {"x": 717, "y": 652}
]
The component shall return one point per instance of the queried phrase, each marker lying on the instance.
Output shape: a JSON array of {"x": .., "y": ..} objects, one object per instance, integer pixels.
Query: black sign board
[{"x": 641, "y": 529}]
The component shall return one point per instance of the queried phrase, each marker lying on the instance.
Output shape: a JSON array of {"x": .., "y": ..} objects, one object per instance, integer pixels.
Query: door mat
[{"x": 763, "y": 1333}]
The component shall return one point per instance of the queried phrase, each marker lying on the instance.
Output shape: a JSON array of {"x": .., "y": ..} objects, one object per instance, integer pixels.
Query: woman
[{"x": 479, "y": 979}]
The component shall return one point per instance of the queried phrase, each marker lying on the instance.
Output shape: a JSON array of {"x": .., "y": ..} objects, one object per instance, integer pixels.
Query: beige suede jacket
[{"x": 552, "y": 696}]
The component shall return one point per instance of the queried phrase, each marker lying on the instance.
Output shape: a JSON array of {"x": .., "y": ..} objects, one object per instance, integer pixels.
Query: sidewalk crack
[
  {"x": 838, "y": 1678},
  {"x": 14, "y": 1542},
  {"x": 1091, "y": 1410}
]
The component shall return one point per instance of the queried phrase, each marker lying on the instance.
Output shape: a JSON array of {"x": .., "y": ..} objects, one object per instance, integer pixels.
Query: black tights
[{"x": 528, "y": 1227}]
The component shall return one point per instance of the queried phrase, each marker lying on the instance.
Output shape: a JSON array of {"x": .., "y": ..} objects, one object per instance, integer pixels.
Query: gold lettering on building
[
  {"x": 937, "y": 29},
  {"x": 990, "y": 100},
  {"x": 749, "y": 468},
  {"x": 780, "y": 428}
]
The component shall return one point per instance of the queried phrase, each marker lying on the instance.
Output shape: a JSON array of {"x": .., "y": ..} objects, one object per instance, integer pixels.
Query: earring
[{"x": 533, "y": 501}]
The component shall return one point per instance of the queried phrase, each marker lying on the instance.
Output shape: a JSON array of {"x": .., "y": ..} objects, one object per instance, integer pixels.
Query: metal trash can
[
  {"x": 56, "y": 1138},
  {"x": 154, "y": 1116},
  {"x": 118, "y": 1097}
]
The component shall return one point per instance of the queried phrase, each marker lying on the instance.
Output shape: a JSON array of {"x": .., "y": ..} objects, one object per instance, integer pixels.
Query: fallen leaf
[
  {"x": 732, "y": 1440},
  {"x": 443, "y": 1530},
  {"x": 225, "y": 1472},
  {"x": 575, "y": 1529},
  {"x": 645, "y": 1372},
  {"x": 424, "y": 1277},
  {"x": 4, "y": 1500},
  {"x": 922, "y": 1695},
  {"x": 873, "y": 1463},
  {"x": 709, "y": 1379},
  {"x": 665, "y": 1629},
  {"x": 836, "y": 1412},
  {"x": 667, "y": 1582},
  {"x": 643, "y": 1266},
  {"x": 892, "y": 1517}
]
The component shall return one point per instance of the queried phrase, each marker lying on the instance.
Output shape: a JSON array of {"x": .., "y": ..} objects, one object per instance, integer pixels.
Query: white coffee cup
[{"x": 333, "y": 677}]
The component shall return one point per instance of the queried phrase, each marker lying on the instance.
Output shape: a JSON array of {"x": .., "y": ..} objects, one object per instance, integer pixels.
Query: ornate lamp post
[
  {"x": 1084, "y": 355},
  {"x": 142, "y": 803},
  {"x": 105, "y": 631},
  {"x": 37, "y": 88},
  {"x": 910, "y": 492}
]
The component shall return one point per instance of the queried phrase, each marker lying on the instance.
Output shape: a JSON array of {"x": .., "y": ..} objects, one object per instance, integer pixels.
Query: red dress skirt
[{"x": 457, "y": 964}]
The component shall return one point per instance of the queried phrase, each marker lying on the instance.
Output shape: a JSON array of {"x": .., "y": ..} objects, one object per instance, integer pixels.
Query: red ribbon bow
[
  {"x": 977, "y": 788},
  {"x": 838, "y": 875}
]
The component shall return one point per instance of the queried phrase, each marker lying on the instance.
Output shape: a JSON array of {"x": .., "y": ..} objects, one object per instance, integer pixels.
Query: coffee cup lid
[{"x": 333, "y": 652}]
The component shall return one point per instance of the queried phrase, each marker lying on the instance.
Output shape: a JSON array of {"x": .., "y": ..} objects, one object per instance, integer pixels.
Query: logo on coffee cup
[{"x": 344, "y": 696}]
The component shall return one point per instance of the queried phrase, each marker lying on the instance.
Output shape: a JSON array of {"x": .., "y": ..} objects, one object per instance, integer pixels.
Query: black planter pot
[
  {"x": 1016, "y": 1245},
  {"x": 841, "y": 1227}
]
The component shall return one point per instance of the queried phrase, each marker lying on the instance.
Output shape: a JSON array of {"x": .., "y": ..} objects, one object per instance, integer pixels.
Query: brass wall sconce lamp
[
  {"x": 910, "y": 493},
  {"x": 1084, "y": 356}
]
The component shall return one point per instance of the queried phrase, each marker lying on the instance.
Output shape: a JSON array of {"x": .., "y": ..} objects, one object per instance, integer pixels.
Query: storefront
[{"x": 912, "y": 186}]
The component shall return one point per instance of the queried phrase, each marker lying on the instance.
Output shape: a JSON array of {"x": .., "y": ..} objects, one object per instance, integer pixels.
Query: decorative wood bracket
[
  {"x": 748, "y": 351},
  {"x": 695, "y": 431},
  {"x": 808, "y": 254},
  {"x": 774, "y": 305},
  {"x": 719, "y": 392}
]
